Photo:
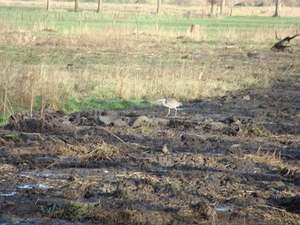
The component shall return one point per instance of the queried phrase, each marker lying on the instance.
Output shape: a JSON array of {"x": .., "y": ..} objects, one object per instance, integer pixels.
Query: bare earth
[{"x": 225, "y": 160}]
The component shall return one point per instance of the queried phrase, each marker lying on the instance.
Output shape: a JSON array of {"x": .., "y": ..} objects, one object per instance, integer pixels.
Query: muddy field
[{"x": 225, "y": 160}]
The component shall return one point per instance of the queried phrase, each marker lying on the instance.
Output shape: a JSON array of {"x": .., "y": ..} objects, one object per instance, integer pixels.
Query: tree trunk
[
  {"x": 76, "y": 5},
  {"x": 99, "y": 6},
  {"x": 277, "y": 8},
  {"x": 222, "y": 9},
  {"x": 212, "y": 9},
  {"x": 158, "y": 6},
  {"x": 48, "y": 5}
]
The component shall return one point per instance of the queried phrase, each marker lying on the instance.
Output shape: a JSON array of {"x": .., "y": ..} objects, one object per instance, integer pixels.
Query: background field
[{"x": 127, "y": 52}]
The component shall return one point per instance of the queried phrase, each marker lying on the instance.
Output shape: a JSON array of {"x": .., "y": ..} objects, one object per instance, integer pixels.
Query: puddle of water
[
  {"x": 214, "y": 154},
  {"x": 30, "y": 186},
  {"x": 65, "y": 174},
  {"x": 223, "y": 209},
  {"x": 183, "y": 108},
  {"x": 9, "y": 194},
  {"x": 57, "y": 193},
  {"x": 163, "y": 170},
  {"x": 37, "y": 174}
]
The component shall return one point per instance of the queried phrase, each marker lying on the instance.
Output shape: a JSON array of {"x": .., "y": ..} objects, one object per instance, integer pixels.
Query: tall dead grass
[
  {"x": 147, "y": 63},
  {"x": 56, "y": 85},
  {"x": 19, "y": 90},
  {"x": 273, "y": 159}
]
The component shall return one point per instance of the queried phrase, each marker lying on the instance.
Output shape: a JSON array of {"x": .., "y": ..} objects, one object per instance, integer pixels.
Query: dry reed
[{"x": 147, "y": 64}]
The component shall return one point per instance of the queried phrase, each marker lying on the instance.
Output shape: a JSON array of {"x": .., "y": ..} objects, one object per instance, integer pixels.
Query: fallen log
[{"x": 281, "y": 46}]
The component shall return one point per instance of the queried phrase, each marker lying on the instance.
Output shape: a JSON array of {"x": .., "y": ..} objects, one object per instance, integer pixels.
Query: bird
[{"x": 171, "y": 104}]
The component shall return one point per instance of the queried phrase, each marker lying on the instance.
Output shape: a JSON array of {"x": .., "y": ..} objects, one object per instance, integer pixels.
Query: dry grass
[
  {"x": 53, "y": 87},
  {"x": 102, "y": 151},
  {"x": 140, "y": 67},
  {"x": 272, "y": 159},
  {"x": 260, "y": 214},
  {"x": 131, "y": 62},
  {"x": 56, "y": 85}
]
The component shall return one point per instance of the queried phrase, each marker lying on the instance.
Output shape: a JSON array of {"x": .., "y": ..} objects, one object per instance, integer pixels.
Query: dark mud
[{"x": 225, "y": 160}]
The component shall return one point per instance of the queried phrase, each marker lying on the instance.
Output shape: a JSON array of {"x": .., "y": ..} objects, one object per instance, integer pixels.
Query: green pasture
[{"x": 37, "y": 19}]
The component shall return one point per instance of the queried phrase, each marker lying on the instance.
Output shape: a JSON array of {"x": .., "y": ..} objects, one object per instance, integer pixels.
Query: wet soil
[{"x": 223, "y": 160}]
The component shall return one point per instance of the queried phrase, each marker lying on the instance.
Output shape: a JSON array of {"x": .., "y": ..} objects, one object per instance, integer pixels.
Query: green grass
[
  {"x": 14, "y": 137},
  {"x": 4, "y": 119},
  {"x": 74, "y": 211},
  {"x": 92, "y": 102},
  {"x": 37, "y": 19}
]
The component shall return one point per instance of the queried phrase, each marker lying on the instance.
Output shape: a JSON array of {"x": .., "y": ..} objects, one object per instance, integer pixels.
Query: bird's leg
[
  {"x": 175, "y": 112},
  {"x": 168, "y": 112}
]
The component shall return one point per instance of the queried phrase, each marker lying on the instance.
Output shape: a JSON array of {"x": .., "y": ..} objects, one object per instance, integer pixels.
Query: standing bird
[{"x": 170, "y": 103}]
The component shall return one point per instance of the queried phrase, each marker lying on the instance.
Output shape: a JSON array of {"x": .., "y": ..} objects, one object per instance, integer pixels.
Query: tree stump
[{"x": 194, "y": 31}]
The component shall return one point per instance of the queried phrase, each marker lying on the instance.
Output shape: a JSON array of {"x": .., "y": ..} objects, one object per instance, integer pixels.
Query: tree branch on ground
[{"x": 281, "y": 46}]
